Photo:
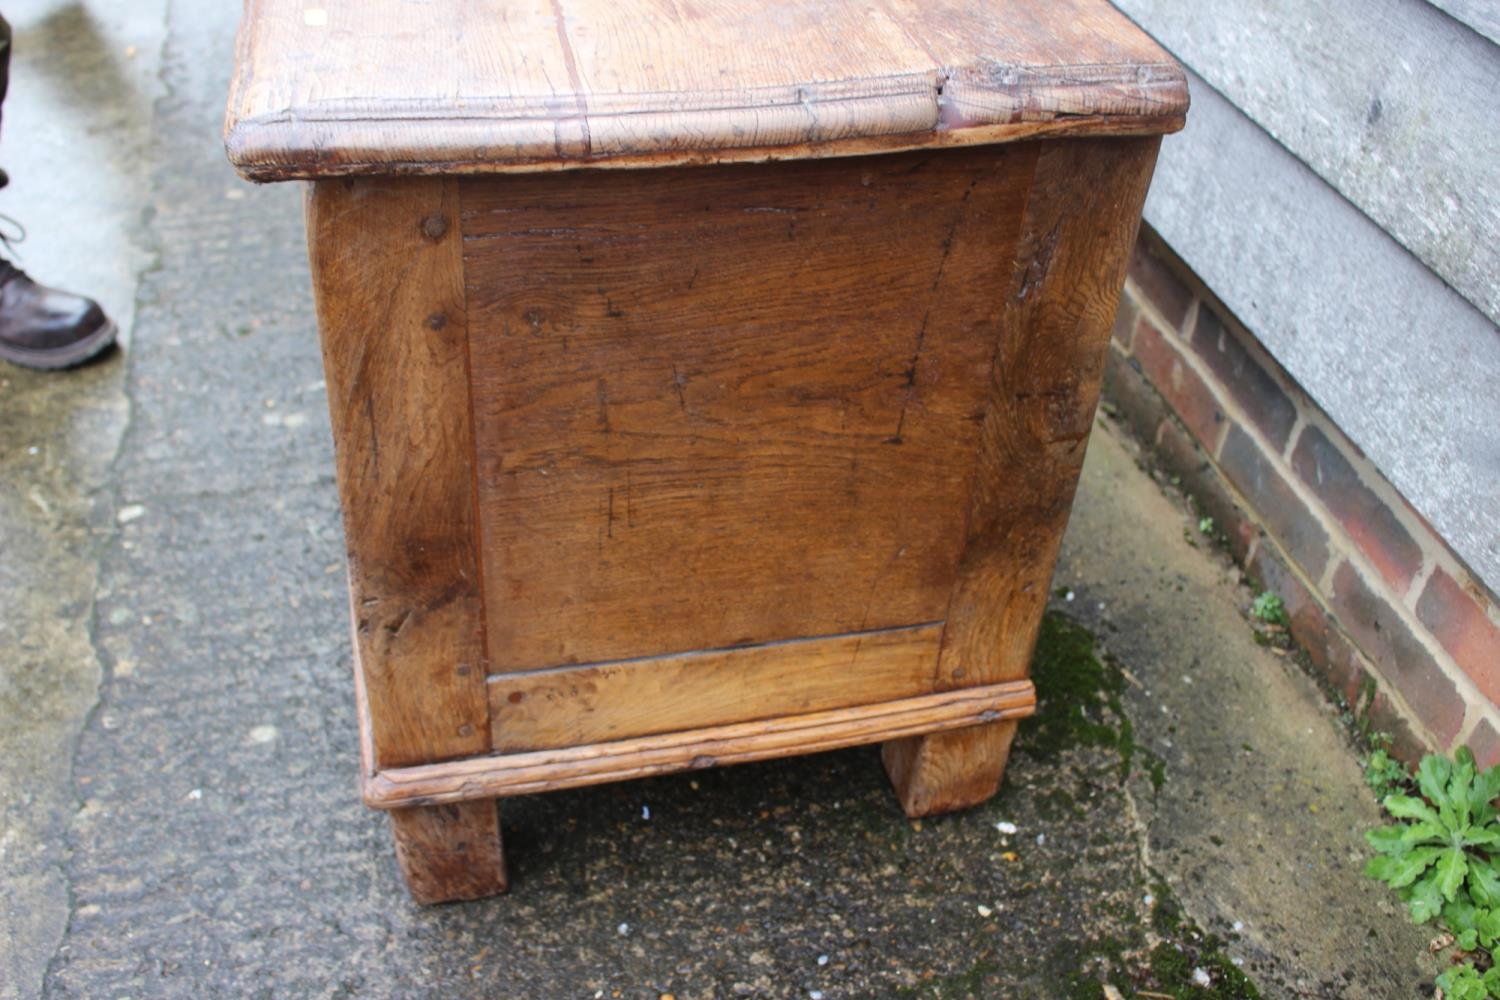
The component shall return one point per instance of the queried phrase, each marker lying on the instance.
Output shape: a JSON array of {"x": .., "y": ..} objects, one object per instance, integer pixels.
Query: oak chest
[{"x": 709, "y": 380}]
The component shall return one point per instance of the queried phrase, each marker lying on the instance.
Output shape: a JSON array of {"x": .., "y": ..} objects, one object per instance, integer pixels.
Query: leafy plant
[
  {"x": 1206, "y": 525},
  {"x": 1383, "y": 773},
  {"x": 1442, "y": 857},
  {"x": 1464, "y": 982},
  {"x": 1269, "y": 608}
]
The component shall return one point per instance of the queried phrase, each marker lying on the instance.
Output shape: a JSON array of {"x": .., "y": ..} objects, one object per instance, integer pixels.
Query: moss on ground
[
  {"x": 969, "y": 983},
  {"x": 1080, "y": 704},
  {"x": 1079, "y": 701},
  {"x": 1187, "y": 952},
  {"x": 1185, "y": 963}
]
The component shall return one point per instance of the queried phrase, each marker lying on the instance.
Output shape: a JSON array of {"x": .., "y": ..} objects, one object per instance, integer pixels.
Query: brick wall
[{"x": 1393, "y": 620}]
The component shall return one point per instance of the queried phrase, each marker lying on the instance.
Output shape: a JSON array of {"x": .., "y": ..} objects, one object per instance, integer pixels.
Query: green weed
[{"x": 1441, "y": 855}]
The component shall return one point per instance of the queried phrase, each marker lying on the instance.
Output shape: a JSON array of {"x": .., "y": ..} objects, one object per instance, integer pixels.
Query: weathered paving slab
[{"x": 77, "y": 123}]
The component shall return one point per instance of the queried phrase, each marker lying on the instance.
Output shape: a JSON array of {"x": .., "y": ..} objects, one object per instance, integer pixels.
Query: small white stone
[
  {"x": 1202, "y": 978},
  {"x": 1041, "y": 839},
  {"x": 822, "y": 959},
  {"x": 262, "y": 734},
  {"x": 984, "y": 911},
  {"x": 130, "y": 512},
  {"x": 195, "y": 794},
  {"x": 645, "y": 812},
  {"x": 33, "y": 450},
  {"x": 1068, "y": 596},
  {"x": 1239, "y": 925},
  {"x": 623, "y": 929},
  {"x": 1006, "y": 827},
  {"x": 1149, "y": 899},
  {"x": 294, "y": 420},
  {"x": 814, "y": 995}
]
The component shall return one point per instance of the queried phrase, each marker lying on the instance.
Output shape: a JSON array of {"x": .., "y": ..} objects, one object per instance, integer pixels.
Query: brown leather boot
[{"x": 41, "y": 327}]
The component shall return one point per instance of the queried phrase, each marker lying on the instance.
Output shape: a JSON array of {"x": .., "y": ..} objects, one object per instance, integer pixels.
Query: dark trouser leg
[
  {"x": 4, "y": 56},
  {"x": 4, "y": 72}
]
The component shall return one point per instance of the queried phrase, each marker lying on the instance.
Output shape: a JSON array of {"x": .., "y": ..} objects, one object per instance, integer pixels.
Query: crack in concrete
[{"x": 77, "y": 96}]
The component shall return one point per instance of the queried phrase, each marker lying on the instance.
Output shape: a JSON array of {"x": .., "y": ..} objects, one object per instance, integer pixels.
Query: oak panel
[
  {"x": 576, "y": 706},
  {"x": 323, "y": 89},
  {"x": 388, "y": 280},
  {"x": 1080, "y": 224},
  {"x": 723, "y": 407}
]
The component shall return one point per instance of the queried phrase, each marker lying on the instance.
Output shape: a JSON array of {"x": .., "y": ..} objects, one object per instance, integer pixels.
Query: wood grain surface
[
  {"x": 576, "y": 706},
  {"x": 506, "y": 85},
  {"x": 726, "y": 406},
  {"x": 478, "y": 778},
  {"x": 450, "y": 852},
  {"x": 1080, "y": 224},
  {"x": 388, "y": 280}
]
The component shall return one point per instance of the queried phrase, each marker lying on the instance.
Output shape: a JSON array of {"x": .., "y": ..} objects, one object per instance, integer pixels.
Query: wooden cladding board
[
  {"x": 576, "y": 706},
  {"x": 730, "y": 406}
]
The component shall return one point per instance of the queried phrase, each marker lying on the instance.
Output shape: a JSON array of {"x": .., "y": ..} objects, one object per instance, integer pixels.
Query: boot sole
[{"x": 73, "y": 354}]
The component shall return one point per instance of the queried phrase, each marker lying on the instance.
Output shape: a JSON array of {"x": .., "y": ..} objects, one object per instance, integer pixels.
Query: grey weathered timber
[
  {"x": 1401, "y": 362},
  {"x": 1390, "y": 101},
  {"x": 1481, "y": 15}
]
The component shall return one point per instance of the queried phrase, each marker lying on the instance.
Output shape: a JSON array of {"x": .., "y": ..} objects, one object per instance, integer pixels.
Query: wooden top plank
[{"x": 401, "y": 86}]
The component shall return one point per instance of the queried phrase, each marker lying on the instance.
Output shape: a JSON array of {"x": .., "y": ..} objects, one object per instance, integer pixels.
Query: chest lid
[{"x": 326, "y": 88}]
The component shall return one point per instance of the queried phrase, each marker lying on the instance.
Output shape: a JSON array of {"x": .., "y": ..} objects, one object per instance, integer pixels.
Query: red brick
[
  {"x": 1271, "y": 499},
  {"x": 1178, "y": 453},
  {"x": 1485, "y": 743},
  {"x": 1243, "y": 378},
  {"x": 1458, "y": 621},
  {"x": 1345, "y": 669},
  {"x": 1125, "y": 319},
  {"x": 1135, "y": 402},
  {"x": 1186, "y": 393},
  {"x": 1381, "y": 716},
  {"x": 1366, "y": 519},
  {"x": 1378, "y": 629},
  {"x": 1326, "y": 646},
  {"x": 1159, "y": 284}
]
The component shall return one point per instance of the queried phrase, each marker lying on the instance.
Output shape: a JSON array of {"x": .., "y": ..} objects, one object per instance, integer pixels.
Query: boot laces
[{"x": 11, "y": 233}]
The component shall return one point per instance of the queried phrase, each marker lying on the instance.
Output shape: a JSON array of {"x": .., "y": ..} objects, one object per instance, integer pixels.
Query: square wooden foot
[
  {"x": 450, "y": 852},
  {"x": 947, "y": 771}
]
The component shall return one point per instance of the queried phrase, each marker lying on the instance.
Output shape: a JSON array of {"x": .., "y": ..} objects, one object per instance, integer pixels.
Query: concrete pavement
[{"x": 177, "y": 789}]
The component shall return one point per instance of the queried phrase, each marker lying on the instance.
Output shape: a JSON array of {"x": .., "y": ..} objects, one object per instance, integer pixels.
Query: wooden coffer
[{"x": 707, "y": 386}]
